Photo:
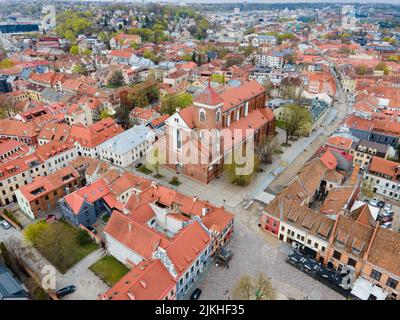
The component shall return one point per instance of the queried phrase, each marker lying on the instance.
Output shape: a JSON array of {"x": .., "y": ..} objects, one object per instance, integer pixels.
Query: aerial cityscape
[{"x": 182, "y": 150}]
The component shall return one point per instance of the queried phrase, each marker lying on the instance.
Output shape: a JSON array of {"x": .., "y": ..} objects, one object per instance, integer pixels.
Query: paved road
[
  {"x": 318, "y": 140},
  {"x": 255, "y": 253},
  {"x": 89, "y": 286}
]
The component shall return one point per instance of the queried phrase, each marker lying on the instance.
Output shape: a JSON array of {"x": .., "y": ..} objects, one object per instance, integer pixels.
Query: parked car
[
  {"x": 66, "y": 290},
  {"x": 311, "y": 265},
  {"x": 381, "y": 204},
  {"x": 387, "y": 207},
  {"x": 138, "y": 165},
  {"x": 196, "y": 294},
  {"x": 5, "y": 225},
  {"x": 387, "y": 219},
  {"x": 386, "y": 213},
  {"x": 91, "y": 229},
  {"x": 373, "y": 202},
  {"x": 294, "y": 257},
  {"x": 387, "y": 225}
]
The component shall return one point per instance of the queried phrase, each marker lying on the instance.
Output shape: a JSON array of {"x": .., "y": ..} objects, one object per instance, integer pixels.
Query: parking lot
[
  {"x": 395, "y": 208},
  {"x": 255, "y": 253}
]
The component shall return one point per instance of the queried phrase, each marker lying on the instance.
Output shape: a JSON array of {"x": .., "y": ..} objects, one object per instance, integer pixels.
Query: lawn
[
  {"x": 145, "y": 170},
  {"x": 109, "y": 269},
  {"x": 62, "y": 244},
  {"x": 280, "y": 124}
]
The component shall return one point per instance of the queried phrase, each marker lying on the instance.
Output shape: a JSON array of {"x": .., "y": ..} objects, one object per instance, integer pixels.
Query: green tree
[
  {"x": 117, "y": 79},
  {"x": 69, "y": 35},
  {"x": 170, "y": 102},
  {"x": 33, "y": 231},
  {"x": 147, "y": 54},
  {"x": 79, "y": 68},
  {"x": 74, "y": 50},
  {"x": 361, "y": 70},
  {"x": 220, "y": 78},
  {"x": 104, "y": 114},
  {"x": 381, "y": 66},
  {"x": 87, "y": 52},
  {"x": 297, "y": 119},
  {"x": 235, "y": 168}
]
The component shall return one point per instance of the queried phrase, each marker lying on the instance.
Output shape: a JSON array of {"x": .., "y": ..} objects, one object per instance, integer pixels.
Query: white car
[
  {"x": 387, "y": 207},
  {"x": 373, "y": 202},
  {"x": 387, "y": 225},
  {"x": 5, "y": 225}
]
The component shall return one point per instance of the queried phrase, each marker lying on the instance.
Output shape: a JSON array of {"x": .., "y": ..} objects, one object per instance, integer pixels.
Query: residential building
[
  {"x": 43, "y": 193},
  {"x": 10, "y": 287},
  {"x": 88, "y": 138},
  {"x": 363, "y": 151},
  {"x": 383, "y": 178},
  {"x": 127, "y": 147},
  {"x": 86, "y": 205}
]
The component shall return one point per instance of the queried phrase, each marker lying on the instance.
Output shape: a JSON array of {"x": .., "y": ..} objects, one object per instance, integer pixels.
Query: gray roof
[
  {"x": 380, "y": 147},
  {"x": 127, "y": 140},
  {"x": 9, "y": 286}
]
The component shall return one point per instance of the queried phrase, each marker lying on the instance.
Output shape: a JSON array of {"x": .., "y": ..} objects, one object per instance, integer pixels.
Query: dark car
[
  {"x": 91, "y": 229},
  {"x": 381, "y": 204},
  {"x": 326, "y": 274},
  {"x": 294, "y": 257},
  {"x": 138, "y": 165},
  {"x": 311, "y": 266},
  {"x": 66, "y": 290},
  {"x": 196, "y": 294},
  {"x": 387, "y": 219}
]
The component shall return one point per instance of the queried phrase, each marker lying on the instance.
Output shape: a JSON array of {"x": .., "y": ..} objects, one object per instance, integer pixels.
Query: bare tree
[
  {"x": 263, "y": 288},
  {"x": 258, "y": 288},
  {"x": 244, "y": 288},
  {"x": 15, "y": 248},
  {"x": 265, "y": 149}
]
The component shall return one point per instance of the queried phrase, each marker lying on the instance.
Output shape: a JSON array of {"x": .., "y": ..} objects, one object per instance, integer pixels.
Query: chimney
[
  {"x": 204, "y": 212},
  {"x": 130, "y": 226},
  {"x": 143, "y": 283}
]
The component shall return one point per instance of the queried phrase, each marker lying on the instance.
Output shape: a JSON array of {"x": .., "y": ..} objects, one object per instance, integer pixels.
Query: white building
[
  {"x": 383, "y": 178},
  {"x": 128, "y": 146},
  {"x": 269, "y": 61}
]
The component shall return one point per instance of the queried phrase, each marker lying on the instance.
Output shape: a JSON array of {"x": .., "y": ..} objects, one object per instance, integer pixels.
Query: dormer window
[{"x": 202, "y": 115}]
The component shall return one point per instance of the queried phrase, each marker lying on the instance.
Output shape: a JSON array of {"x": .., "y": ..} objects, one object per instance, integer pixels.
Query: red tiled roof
[
  {"x": 149, "y": 280},
  {"x": 236, "y": 96}
]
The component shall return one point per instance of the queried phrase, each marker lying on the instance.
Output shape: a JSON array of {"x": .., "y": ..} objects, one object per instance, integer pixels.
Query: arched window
[
  {"x": 218, "y": 117},
  {"x": 202, "y": 115},
  {"x": 178, "y": 139}
]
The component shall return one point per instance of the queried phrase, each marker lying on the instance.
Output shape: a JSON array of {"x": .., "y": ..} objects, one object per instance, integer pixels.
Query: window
[
  {"x": 316, "y": 245},
  {"x": 375, "y": 275},
  {"x": 202, "y": 115},
  {"x": 178, "y": 139},
  {"x": 218, "y": 116},
  {"x": 323, "y": 249},
  {"x": 352, "y": 262},
  {"x": 337, "y": 255},
  {"x": 309, "y": 241},
  {"x": 391, "y": 283}
]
